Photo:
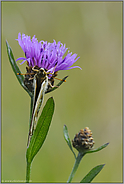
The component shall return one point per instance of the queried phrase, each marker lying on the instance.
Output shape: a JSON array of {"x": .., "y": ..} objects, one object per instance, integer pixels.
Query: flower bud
[{"x": 83, "y": 141}]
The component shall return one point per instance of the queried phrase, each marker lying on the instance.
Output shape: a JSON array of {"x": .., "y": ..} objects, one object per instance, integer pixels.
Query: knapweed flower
[
  {"x": 43, "y": 54},
  {"x": 83, "y": 141}
]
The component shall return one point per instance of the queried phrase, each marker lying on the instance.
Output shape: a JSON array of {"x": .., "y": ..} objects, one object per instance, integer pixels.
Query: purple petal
[{"x": 45, "y": 54}]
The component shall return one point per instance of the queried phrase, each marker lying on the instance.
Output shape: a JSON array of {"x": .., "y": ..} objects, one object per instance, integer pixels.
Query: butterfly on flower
[
  {"x": 37, "y": 82},
  {"x": 44, "y": 60}
]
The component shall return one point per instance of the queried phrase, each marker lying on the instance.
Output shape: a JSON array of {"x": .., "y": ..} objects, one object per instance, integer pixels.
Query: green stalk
[
  {"x": 28, "y": 170},
  {"x": 32, "y": 99},
  {"x": 77, "y": 162}
]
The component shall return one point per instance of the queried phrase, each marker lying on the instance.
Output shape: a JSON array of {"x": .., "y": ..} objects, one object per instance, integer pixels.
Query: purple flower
[{"x": 46, "y": 55}]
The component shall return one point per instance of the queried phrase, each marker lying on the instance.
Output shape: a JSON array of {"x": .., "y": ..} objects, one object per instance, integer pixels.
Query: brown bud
[{"x": 83, "y": 140}]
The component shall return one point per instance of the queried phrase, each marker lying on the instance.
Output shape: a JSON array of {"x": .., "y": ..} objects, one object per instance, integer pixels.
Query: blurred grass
[{"x": 90, "y": 97}]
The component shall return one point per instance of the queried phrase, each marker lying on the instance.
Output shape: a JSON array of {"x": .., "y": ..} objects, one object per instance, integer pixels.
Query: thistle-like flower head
[{"x": 46, "y": 55}]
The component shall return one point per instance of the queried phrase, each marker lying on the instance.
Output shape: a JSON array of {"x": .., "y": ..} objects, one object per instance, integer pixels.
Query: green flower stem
[
  {"x": 28, "y": 170},
  {"x": 77, "y": 162},
  {"x": 32, "y": 99}
]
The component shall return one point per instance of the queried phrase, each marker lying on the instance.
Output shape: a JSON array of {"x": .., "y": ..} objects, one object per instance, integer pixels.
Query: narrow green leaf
[
  {"x": 92, "y": 174},
  {"x": 16, "y": 68},
  {"x": 98, "y": 149},
  {"x": 41, "y": 130},
  {"x": 56, "y": 87},
  {"x": 13, "y": 64},
  {"x": 67, "y": 139}
]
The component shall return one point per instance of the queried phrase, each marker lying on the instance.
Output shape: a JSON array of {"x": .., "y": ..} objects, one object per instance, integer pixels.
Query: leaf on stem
[
  {"x": 41, "y": 130},
  {"x": 67, "y": 139},
  {"x": 16, "y": 68},
  {"x": 92, "y": 174},
  {"x": 98, "y": 149}
]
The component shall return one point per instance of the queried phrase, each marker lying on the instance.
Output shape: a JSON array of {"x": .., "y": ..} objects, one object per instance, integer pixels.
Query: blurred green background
[{"x": 91, "y": 97}]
